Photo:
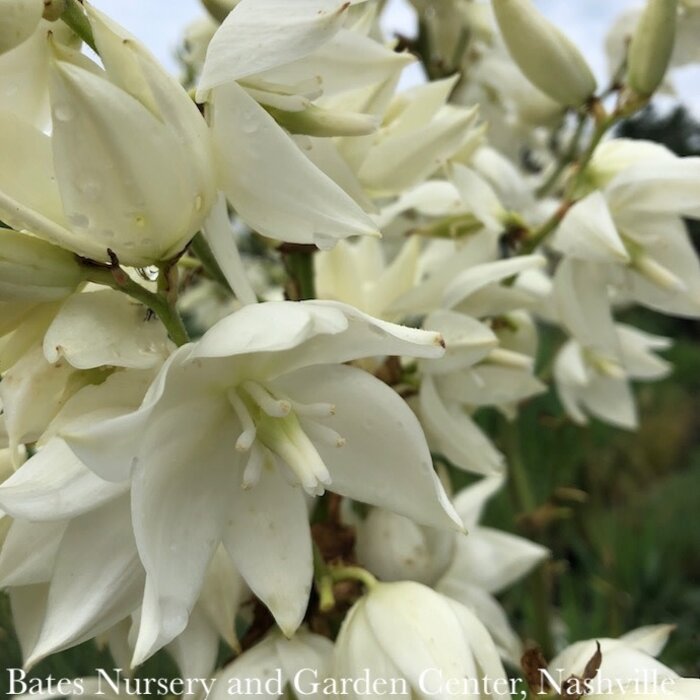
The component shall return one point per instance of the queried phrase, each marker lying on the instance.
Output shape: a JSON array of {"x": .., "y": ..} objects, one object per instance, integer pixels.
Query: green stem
[
  {"x": 356, "y": 573},
  {"x": 324, "y": 581},
  {"x": 300, "y": 267},
  {"x": 538, "y": 236},
  {"x": 117, "y": 279},
  {"x": 74, "y": 16},
  {"x": 201, "y": 249},
  {"x": 566, "y": 159},
  {"x": 525, "y": 503},
  {"x": 599, "y": 132}
]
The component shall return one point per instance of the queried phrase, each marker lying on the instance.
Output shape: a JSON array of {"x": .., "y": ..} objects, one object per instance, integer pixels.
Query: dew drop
[
  {"x": 150, "y": 273},
  {"x": 198, "y": 202}
]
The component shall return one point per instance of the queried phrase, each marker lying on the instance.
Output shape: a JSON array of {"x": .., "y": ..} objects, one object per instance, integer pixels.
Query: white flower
[
  {"x": 254, "y": 77},
  {"x": 613, "y": 245},
  {"x": 272, "y": 185},
  {"x": 588, "y": 381},
  {"x": 84, "y": 570},
  {"x": 233, "y": 422},
  {"x": 630, "y": 657},
  {"x": 358, "y": 273},
  {"x": 407, "y": 632},
  {"x": 19, "y": 20},
  {"x": 79, "y": 344},
  {"x": 419, "y": 133},
  {"x": 249, "y": 41},
  {"x": 128, "y": 166},
  {"x": 301, "y": 662},
  {"x": 471, "y": 569},
  {"x": 33, "y": 270}
]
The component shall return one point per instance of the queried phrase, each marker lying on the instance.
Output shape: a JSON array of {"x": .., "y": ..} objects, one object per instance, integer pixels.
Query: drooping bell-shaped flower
[
  {"x": 431, "y": 645},
  {"x": 128, "y": 166}
]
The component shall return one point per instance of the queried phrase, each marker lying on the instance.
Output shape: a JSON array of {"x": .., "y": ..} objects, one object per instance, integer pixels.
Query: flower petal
[
  {"x": 178, "y": 478},
  {"x": 494, "y": 560},
  {"x": 588, "y": 232},
  {"x": 106, "y": 328},
  {"x": 221, "y": 239},
  {"x": 476, "y": 278},
  {"x": 272, "y": 185},
  {"x": 358, "y": 651},
  {"x": 28, "y": 192},
  {"x": 262, "y": 34},
  {"x": 196, "y": 649},
  {"x": 268, "y": 538},
  {"x": 418, "y": 630},
  {"x": 489, "y": 611},
  {"x": 29, "y": 552},
  {"x": 471, "y": 501},
  {"x": 122, "y": 173},
  {"x": 55, "y": 485},
  {"x": 452, "y": 433},
  {"x": 222, "y": 592},
  {"x": 97, "y": 580},
  {"x": 385, "y": 460},
  {"x": 478, "y": 196}
]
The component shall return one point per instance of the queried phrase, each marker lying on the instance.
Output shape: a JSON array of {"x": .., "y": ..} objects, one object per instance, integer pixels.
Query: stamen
[
  {"x": 247, "y": 437},
  {"x": 253, "y": 467},
  {"x": 510, "y": 359},
  {"x": 659, "y": 275},
  {"x": 324, "y": 434},
  {"x": 275, "y": 408}
]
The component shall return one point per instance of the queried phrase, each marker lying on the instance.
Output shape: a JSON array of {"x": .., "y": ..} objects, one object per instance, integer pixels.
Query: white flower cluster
[{"x": 159, "y": 480}]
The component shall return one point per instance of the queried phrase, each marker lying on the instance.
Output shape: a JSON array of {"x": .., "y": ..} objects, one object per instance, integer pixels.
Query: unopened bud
[
  {"x": 34, "y": 270},
  {"x": 316, "y": 121},
  {"x": 651, "y": 47},
  {"x": 544, "y": 54},
  {"x": 18, "y": 20}
]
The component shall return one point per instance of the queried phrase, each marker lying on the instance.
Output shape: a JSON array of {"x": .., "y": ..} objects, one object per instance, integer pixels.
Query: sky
[{"x": 159, "y": 23}]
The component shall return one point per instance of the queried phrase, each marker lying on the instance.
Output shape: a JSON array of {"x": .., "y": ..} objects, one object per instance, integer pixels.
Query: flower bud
[
  {"x": 651, "y": 47},
  {"x": 33, "y": 270},
  {"x": 131, "y": 152},
  {"x": 393, "y": 620},
  {"x": 316, "y": 121},
  {"x": 543, "y": 53},
  {"x": 395, "y": 548},
  {"x": 18, "y": 20}
]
